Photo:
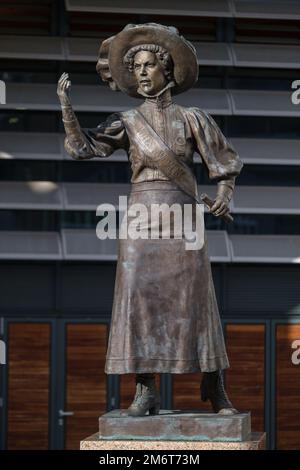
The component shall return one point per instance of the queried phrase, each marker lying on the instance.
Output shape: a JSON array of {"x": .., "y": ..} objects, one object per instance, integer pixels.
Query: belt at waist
[{"x": 153, "y": 185}]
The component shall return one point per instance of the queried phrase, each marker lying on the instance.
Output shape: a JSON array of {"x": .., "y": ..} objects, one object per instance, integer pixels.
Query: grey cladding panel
[
  {"x": 30, "y": 195},
  {"x": 277, "y": 9},
  {"x": 268, "y": 151},
  {"x": 266, "y": 200},
  {"x": 266, "y": 248},
  {"x": 156, "y": 7},
  {"x": 212, "y": 101},
  {"x": 280, "y": 9},
  {"x": 31, "y": 47},
  {"x": 213, "y": 53},
  {"x": 266, "y": 55},
  {"x": 30, "y": 145},
  {"x": 30, "y": 245},
  {"x": 84, "y": 244},
  {"x": 84, "y": 98},
  {"x": 263, "y": 103},
  {"x": 218, "y": 246},
  {"x": 83, "y": 49},
  {"x": 84, "y": 196}
]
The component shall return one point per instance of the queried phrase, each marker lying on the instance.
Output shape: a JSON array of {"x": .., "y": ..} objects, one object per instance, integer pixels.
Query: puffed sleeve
[
  {"x": 100, "y": 141},
  {"x": 218, "y": 155}
]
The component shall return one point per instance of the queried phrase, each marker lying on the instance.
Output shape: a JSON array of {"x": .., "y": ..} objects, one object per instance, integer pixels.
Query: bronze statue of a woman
[{"x": 165, "y": 316}]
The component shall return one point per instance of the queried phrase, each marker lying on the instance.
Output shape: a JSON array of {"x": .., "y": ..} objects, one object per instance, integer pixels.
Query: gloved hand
[{"x": 223, "y": 198}]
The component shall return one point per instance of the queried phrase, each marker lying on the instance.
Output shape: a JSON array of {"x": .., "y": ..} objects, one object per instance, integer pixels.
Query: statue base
[
  {"x": 174, "y": 430},
  {"x": 257, "y": 441}
]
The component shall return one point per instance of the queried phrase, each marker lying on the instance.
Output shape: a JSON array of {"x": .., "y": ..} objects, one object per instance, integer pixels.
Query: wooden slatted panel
[
  {"x": 128, "y": 387},
  {"x": 86, "y": 380},
  {"x": 245, "y": 378},
  {"x": 28, "y": 385},
  {"x": 288, "y": 388},
  {"x": 186, "y": 392}
]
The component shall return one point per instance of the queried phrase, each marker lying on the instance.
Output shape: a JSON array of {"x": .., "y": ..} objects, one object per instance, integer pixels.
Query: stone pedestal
[
  {"x": 257, "y": 441},
  {"x": 174, "y": 430},
  {"x": 175, "y": 425}
]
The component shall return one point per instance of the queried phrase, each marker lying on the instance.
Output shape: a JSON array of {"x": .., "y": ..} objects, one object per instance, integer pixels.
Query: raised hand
[{"x": 63, "y": 89}]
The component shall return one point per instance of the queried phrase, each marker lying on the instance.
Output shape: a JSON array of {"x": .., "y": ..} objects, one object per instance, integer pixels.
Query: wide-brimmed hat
[{"x": 114, "y": 71}]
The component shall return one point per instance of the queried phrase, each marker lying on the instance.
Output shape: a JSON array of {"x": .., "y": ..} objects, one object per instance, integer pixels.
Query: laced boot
[
  {"x": 146, "y": 397},
  {"x": 212, "y": 388}
]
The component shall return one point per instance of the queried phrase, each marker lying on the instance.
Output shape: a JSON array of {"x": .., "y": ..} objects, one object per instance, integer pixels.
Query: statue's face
[{"x": 149, "y": 72}]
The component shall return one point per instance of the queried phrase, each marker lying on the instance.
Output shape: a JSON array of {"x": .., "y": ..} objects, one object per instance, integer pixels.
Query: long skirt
[{"x": 165, "y": 315}]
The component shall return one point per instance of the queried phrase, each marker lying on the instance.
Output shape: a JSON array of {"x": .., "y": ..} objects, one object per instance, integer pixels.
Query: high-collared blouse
[{"x": 185, "y": 131}]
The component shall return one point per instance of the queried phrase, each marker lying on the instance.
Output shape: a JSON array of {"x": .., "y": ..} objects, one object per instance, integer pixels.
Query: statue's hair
[{"x": 162, "y": 55}]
